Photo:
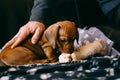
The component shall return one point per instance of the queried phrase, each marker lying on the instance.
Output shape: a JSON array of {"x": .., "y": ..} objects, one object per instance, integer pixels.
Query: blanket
[{"x": 95, "y": 68}]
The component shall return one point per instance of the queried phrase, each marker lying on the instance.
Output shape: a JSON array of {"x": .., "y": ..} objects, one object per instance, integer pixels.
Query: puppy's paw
[{"x": 65, "y": 57}]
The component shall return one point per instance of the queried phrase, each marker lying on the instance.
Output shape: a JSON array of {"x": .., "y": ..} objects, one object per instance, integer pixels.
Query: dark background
[{"x": 15, "y": 13}]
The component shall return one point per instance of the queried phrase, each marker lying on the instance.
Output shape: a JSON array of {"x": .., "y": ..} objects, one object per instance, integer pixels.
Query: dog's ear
[
  {"x": 77, "y": 32},
  {"x": 51, "y": 34},
  {"x": 77, "y": 35}
]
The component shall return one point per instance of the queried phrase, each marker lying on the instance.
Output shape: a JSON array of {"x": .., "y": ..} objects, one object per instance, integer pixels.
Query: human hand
[{"x": 32, "y": 27}]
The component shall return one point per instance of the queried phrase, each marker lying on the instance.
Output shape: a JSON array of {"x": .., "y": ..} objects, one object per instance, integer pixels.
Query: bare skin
[{"x": 32, "y": 27}]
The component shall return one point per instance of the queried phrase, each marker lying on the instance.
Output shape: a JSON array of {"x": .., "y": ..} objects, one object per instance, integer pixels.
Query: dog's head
[{"x": 62, "y": 35}]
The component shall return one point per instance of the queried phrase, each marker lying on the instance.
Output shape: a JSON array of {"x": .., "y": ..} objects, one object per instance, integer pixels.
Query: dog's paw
[{"x": 65, "y": 57}]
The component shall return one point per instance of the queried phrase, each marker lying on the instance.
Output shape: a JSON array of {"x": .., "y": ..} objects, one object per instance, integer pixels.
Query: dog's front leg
[
  {"x": 50, "y": 54},
  {"x": 39, "y": 61}
]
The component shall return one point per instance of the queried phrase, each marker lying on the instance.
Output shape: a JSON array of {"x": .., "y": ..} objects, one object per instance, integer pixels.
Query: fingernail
[
  {"x": 2, "y": 48},
  {"x": 12, "y": 46},
  {"x": 33, "y": 42}
]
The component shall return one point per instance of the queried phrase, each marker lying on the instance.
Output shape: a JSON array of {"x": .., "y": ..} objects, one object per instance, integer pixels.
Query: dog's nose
[{"x": 71, "y": 50}]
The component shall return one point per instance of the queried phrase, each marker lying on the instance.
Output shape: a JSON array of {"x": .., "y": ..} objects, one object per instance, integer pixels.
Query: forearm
[
  {"x": 108, "y": 5},
  {"x": 47, "y": 11},
  {"x": 39, "y": 9},
  {"x": 111, "y": 9}
]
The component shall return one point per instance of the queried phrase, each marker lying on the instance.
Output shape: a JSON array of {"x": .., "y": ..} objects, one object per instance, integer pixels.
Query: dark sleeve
[
  {"x": 111, "y": 9},
  {"x": 108, "y": 5},
  {"x": 39, "y": 10},
  {"x": 47, "y": 11}
]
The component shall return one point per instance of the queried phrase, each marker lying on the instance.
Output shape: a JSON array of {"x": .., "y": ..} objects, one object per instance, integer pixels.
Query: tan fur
[
  {"x": 61, "y": 34},
  {"x": 88, "y": 50}
]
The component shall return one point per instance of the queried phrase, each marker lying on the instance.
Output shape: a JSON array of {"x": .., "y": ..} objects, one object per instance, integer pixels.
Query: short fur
[
  {"x": 60, "y": 35},
  {"x": 88, "y": 50}
]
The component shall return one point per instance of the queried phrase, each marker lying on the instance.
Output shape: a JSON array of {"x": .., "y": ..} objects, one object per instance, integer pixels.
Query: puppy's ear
[
  {"x": 77, "y": 35},
  {"x": 51, "y": 34}
]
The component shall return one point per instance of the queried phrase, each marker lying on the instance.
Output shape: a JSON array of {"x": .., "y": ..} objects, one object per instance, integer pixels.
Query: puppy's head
[{"x": 62, "y": 35}]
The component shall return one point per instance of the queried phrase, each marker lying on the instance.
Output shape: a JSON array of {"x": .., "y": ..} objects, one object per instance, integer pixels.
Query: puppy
[{"x": 57, "y": 37}]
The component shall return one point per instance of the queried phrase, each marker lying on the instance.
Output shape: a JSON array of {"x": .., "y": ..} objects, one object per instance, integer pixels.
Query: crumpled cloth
[{"x": 91, "y": 34}]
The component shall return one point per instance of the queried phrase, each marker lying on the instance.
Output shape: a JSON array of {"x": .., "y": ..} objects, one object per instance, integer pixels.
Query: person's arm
[
  {"x": 39, "y": 10},
  {"x": 111, "y": 9},
  {"x": 47, "y": 11},
  {"x": 108, "y": 5}
]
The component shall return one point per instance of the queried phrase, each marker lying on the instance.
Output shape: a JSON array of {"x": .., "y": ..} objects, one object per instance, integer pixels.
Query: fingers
[
  {"x": 21, "y": 36},
  {"x": 38, "y": 32},
  {"x": 18, "y": 38},
  {"x": 36, "y": 36},
  {"x": 8, "y": 43}
]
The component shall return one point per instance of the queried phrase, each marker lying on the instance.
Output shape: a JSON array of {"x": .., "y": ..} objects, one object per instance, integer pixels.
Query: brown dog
[{"x": 59, "y": 36}]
